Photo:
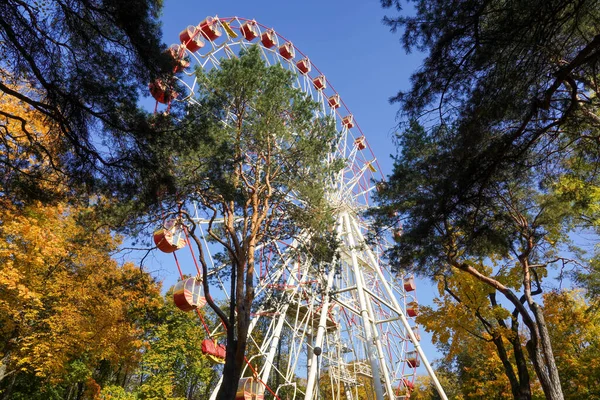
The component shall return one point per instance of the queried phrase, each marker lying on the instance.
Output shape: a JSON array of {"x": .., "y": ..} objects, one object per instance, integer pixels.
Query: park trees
[
  {"x": 575, "y": 328},
  {"x": 480, "y": 339},
  {"x": 473, "y": 361},
  {"x": 71, "y": 317},
  {"x": 171, "y": 364},
  {"x": 82, "y": 66},
  {"x": 258, "y": 176},
  {"x": 65, "y": 305},
  {"x": 499, "y": 168}
]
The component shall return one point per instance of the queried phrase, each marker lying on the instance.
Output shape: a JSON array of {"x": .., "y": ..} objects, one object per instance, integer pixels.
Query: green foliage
[
  {"x": 505, "y": 170},
  {"x": 172, "y": 365},
  {"x": 501, "y": 131},
  {"x": 81, "y": 66},
  {"x": 510, "y": 109},
  {"x": 113, "y": 392},
  {"x": 262, "y": 140}
]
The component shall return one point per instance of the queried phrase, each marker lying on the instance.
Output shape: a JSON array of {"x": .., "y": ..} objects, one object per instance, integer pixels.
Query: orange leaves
[
  {"x": 575, "y": 331},
  {"x": 61, "y": 295},
  {"x": 30, "y": 149}
]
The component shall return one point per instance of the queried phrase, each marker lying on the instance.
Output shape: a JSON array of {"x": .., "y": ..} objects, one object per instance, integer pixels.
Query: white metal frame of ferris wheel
[
  {"x": 353, "y": 309},
  {"x": 353, "y": 286}
]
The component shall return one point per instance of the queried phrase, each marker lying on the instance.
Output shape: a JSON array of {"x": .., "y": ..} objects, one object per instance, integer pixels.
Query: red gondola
[
  {"x": 412, "y": 309},
  {"x": 287, "y": 50},
  {"x": 188, "y": 294},
  {"x": 334, "y": 101},
  {"x": 248, "y": 389},
  {"x": 190, "y": 38},
  {"x": 160, "y": 92},
  {"x": 215, "y": 352},
  {"x": 409, "y": 284},
  {"x": 249, "y": 30},
  {"x": 412, "y": 359},
  {"x": 177, "y": 51},
  {"x": 360, "y": 142},
  {"x": 348, "y": 121},
  {"x": 210, "y": 29},
  {"x": 269, "y": 38},
  {"x": 319, "y": 82},
  {"x": 169, "y": 237},
  {"x": 303, "y": 66}
]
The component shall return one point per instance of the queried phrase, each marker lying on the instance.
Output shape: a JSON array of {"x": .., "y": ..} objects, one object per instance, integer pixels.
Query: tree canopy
[
  {"x": 516, "y": 83},
  {"x": 65, "y": 305},
  {"x": 258, "y": 175},
  {"x": 497, "y": 165},
  {"x": 83, "y": 66}
]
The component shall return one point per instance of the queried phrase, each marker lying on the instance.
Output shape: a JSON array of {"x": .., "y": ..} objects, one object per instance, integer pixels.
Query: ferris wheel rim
[{"x": 355, "y": 131}]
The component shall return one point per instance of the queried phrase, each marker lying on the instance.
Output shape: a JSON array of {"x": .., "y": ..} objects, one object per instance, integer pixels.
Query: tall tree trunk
[
  {"x": 237, "y": 335},
  {"x": 515, "y": 383},
  {"x": 522, "y": 371},
  {"x": 231, "y": 371},
  {"x": 540, "y": 352},
  {"x": 539, "y": 347},
  {"x": 234, "y": 364}
]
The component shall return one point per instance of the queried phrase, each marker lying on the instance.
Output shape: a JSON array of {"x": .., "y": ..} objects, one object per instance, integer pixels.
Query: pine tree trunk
[
  {"x": 231, "y": 374},
  {"x": 238, "y": 337}
]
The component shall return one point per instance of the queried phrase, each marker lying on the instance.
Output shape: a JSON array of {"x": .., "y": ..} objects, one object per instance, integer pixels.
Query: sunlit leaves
[
  {"x": 30, "y": 151},
  {"x": 576, "y": 330},
  {"x": 61, "y": 295},
  {"x": 172, "y": 365}
]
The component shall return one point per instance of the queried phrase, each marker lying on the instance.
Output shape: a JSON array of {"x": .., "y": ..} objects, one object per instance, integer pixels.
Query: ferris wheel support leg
[
  {"x": 366, "y": 318},
  {"x": 273, "y": 346},
  {"x": 377, "y": 340},
  {"x": 310, "y": 344},
  {"x": 409, "y": 330},
  {"x": 313, "y": 359}
]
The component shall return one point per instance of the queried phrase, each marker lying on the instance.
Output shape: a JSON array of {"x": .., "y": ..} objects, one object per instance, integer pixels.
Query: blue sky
[{"x": 348, "y": 42}]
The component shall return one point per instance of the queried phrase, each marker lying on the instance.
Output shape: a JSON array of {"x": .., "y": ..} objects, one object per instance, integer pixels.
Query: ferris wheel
[{"x": 346, "y": 331}]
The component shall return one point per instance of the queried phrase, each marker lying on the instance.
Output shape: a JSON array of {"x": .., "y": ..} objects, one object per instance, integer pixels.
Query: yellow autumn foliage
[
  {"x": 61, "y": 294},
  {"x": 575, "y": 328},
  {"x": 31, "y": 147}
]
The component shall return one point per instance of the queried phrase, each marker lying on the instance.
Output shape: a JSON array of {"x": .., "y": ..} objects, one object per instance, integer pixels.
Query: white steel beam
[
  {"x": 373, "y": 359},
  {"x": 409, "y": 330}
]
